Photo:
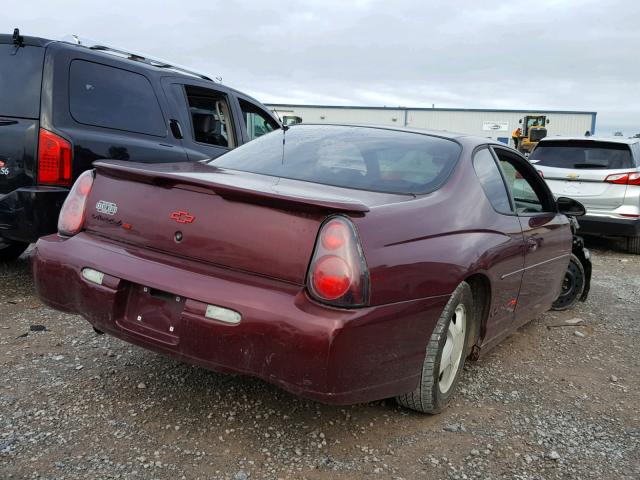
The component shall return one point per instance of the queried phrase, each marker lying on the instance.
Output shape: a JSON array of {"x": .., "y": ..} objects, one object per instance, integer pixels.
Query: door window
[
  {"x": 257, "y": 121},
  {"x": 527, "y": 189},
  {"x": 210, "y": 117},
  {"x": 491, "y": 179},
  {"x": 111, "y": 97}
]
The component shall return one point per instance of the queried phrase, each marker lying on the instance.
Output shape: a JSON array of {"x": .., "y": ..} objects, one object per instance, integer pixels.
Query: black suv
[{"x": 64, "y": 104}]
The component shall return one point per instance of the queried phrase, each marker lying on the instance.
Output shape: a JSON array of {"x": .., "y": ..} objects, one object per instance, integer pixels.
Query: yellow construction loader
[{"x": 533, "y": 129}]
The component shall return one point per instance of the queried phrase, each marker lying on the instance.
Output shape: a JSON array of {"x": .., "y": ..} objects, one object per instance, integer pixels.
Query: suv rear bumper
[
  {"x": 28, "y": 213},
  {"x": 597, "y": 225},
  {"x": 339, "y": 356}
]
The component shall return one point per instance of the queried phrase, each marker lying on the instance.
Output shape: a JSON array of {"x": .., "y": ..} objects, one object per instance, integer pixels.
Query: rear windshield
[
  {"x": 582, "y": 154},
  {"x": 20, "y": 80},
  {"x": 353, "y": 157}
]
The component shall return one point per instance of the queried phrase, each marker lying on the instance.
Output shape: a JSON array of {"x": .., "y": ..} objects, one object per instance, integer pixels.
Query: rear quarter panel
[{"x": 426, "y": 247}]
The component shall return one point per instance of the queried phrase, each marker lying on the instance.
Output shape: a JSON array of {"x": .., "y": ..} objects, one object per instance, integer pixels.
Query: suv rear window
[
  {"x": 585, "y": 154},
  {"x": 114, "y": 98},
  {"x": 20, "y": 80},
  {"x": 353, "y": 157}
]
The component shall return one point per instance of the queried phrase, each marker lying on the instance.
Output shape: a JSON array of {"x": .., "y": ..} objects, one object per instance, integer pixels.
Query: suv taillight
[
  {"x": 631, "y": 178},
  {"x": 338, "y": 273},
  {"x": 54, "y": 159},
  {"x": 73, "y": 210}
]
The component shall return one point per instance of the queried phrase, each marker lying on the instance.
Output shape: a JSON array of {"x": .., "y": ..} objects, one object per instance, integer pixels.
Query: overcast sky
[{"x": 578, "y": 55}]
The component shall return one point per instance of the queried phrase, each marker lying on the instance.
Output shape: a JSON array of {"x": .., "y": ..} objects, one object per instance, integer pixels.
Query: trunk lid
[
  {"x": 20, "y": 85},
  {"x": 244, "y": 221}
]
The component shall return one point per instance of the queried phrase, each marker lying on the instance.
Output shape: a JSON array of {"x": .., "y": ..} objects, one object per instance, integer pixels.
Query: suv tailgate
[
  {"x": 579, "y": 168},
  {"x": 20, "y": 85}
]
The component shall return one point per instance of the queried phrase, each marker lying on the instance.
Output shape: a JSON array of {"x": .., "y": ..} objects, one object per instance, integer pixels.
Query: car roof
[
  {"x": 31, "y": 41},
  {"x": 627, "y": 141},
  {"x": 177, "y": 70}
]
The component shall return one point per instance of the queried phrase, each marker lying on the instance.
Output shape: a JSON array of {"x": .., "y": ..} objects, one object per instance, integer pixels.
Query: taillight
[
  {"x": 631, "y": 178},
  {"x": 338, "y": 273},
  {"x": 54, "y": 159},
  {"x": 73, "y": 210}
]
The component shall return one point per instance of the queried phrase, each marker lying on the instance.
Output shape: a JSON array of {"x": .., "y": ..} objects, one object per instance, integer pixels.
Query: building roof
[{"x": 359, "y": 107}]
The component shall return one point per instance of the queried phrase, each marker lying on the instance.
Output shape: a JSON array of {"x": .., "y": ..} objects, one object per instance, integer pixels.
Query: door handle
[
  {"x": 533, "y": 243},
  {"x": 4, "y": 122},
  {"x": 176, "y": 129}
]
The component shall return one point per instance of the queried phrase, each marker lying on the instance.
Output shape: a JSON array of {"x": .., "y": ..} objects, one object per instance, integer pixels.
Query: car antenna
[
  {"x": 284, "y": 127},
  {"x": 284, "y": 131},
  {"x": 18, "y": 40}
]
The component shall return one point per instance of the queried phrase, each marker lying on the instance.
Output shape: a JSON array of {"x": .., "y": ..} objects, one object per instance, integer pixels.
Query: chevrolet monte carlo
[{"x": 343, "y": 263}]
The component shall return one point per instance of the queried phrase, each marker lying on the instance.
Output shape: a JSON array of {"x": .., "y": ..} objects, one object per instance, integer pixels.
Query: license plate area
[{"x": 153, "y": 313}]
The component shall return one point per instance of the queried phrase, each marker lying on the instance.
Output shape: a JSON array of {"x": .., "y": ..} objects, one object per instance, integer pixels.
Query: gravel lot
[{"x": 550, "y": 402}]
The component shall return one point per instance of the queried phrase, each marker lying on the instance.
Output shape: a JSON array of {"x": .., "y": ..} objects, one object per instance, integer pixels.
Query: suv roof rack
[{"x": 154, "y": 62}]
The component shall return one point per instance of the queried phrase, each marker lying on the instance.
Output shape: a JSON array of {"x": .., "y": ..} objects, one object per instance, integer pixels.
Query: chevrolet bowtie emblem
[{"x": 182, "y": 217}]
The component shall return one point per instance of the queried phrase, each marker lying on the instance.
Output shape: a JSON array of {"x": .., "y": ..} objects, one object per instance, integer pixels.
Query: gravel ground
[{"x": 550, "y": 402}]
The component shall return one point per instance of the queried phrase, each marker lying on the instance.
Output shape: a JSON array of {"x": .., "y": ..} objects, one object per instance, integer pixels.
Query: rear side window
[
  {"x": 257, "y": 122},
  {"x": 353, "y": 157},
  {"x": 492, "y": 183},
  {"x": 636, "y": 154},
  {"x": 210, "y": 117},
  {"x": 582, "y": 154},
  {"x": 20, "y": 81},
  {"x": 114, "y": 98}
]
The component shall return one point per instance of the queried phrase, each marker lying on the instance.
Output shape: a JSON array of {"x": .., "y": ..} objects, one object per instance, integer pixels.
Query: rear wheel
[
  {"x": 633, "y": 245},
  {"x": 572, "y": 285},
  {"x": 445, "y": 355},
  {"x": 11, "y": 251}
]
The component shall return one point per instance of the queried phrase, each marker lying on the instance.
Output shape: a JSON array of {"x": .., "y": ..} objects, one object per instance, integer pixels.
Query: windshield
[
  {"x": 582, "y": 154},
  {"x": 353, "y": 157}
]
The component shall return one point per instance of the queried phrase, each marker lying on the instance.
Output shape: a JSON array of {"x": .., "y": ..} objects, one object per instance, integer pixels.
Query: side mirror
[
  {"x": 548, "y": 120},
  {"x": 570, "y": 207},
  {"x": 520, "y": 121}
]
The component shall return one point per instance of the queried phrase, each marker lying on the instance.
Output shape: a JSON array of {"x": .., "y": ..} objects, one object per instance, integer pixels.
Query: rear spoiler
[{"x": 220, "y": 182}]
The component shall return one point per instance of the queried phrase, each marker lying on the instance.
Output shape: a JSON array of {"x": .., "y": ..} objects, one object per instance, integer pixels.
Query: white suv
[{"x": 601, "y": 173}]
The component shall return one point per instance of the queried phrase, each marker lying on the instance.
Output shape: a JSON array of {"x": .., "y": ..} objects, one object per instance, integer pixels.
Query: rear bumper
[
  {"x": 30, "y": 212},
  {"x": 600, "y": 225},
  {"x": 332, "y": 355}
]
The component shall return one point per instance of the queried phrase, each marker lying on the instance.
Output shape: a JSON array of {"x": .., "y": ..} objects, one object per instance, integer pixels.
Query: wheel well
[{"x": 481, "y": 291}]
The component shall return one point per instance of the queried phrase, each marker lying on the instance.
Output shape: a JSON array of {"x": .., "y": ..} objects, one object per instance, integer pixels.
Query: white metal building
[{"x": 496, "y": 124}]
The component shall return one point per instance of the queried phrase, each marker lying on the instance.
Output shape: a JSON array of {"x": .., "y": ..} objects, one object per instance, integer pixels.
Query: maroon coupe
[{"x": 342, "y": 263}]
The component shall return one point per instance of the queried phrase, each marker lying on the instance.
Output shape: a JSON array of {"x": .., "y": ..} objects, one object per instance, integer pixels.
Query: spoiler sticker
[{"x": 108, "y": 208}]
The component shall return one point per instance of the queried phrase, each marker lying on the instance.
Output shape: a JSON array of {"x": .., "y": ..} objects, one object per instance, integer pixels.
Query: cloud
[{"x": 534, "y": 55}]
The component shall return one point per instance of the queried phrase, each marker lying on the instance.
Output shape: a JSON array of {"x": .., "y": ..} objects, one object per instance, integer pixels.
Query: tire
[
  {"x": 436, "y": 388},
  {"x": 12, "y": 251},
  {"x": 572, "y": 285},
  {"x": 633, "y": 245}
]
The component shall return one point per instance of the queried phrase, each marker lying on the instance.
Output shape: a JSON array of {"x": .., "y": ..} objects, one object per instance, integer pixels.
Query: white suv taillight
[
  {"x": 73, "y": 210},
  {"x": 338, "y": 273},
  {"x": 631, "y": 178}
]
